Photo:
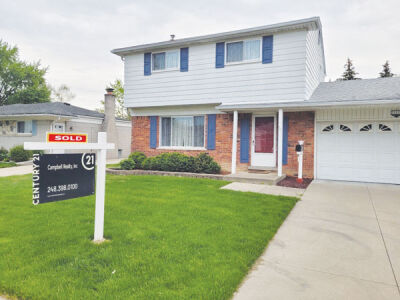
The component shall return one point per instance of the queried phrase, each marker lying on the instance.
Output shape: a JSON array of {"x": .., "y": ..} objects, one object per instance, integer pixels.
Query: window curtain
[
  {"x": 28, "y": 126},
  {"x": 171, "y": 59},
  {"x": 199, "y": 131},
  {"x": 182, "y": 131},
  {"x": 159, "y": 61},
  {"x": 251, "y": 49},
  {"x": 234, "y": 52},
  {"x": 166, "y": 132}
]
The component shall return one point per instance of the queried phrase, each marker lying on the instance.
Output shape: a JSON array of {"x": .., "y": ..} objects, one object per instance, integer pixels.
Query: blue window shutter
[
  {"x": 244, "y": 140},
  {"x": 153, "y": 132},
  {"x": 34, "y": 127},
  {"x": 211, "y": 132},
  {"x": 285, "y": 140},
  {"x": 220, "y": 55},
  {"x": 184, "y": 59},
  {"x": 267, "y": 49},
  {"x": 147, "y": 64}
]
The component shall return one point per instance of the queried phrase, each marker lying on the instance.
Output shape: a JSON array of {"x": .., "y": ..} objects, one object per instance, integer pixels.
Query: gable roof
[
  {"x": 48, "y": 108},
  {"x": 313, "y": 22},
  {"x": 358, "y": 90}
]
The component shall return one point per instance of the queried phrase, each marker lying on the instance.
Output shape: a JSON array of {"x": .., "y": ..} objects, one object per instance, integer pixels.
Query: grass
[
  {"x": 115, "y": 166},
  {"x": 169, "y": 238},
  {"x": 4, "y": 164}
]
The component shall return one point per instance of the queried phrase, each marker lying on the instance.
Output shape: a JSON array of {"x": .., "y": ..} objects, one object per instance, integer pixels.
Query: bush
[
  {"x": 127, "y": 164},
  {"x": 138, "y": 158},
  {"x": 17, "y": 153},
  {"x": 204, "y": 163},
  {"x": 146, "y": 164},
  {"x": 177, "y": 162},
  {"x": 3, "y": 153}
]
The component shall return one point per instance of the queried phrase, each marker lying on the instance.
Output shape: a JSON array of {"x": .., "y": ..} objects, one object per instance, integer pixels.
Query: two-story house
[{"x": 247, "y": 97}]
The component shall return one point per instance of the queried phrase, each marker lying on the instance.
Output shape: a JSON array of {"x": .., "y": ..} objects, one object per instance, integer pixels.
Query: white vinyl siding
[
  {"x": 281, "y": 80},
  {"x": 315, "y": 72}
]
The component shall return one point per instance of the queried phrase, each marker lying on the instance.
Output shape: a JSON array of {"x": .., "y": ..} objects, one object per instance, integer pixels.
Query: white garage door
[{"x": 359, "y": 151}]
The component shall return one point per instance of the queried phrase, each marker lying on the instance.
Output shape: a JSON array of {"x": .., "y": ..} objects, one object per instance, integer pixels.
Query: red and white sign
[{"x": 56, "y": 137}]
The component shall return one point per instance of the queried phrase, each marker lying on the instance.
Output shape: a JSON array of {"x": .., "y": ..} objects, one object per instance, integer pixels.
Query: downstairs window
[{"x": 185, "y": 131}]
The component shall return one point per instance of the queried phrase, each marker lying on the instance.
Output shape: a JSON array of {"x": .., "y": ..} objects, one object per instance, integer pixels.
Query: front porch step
[
  {"x": 271, "y": 178},
  {"x": 261, "y": 170}
]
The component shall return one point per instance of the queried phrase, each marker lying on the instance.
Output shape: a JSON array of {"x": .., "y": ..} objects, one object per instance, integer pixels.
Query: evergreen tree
[
  {"x": 386, "y": 72},
  {"x": 349, "y": 71}
]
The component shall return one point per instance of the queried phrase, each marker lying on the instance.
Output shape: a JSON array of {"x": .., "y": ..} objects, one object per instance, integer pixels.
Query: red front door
[{"x": 263, "y": 149}]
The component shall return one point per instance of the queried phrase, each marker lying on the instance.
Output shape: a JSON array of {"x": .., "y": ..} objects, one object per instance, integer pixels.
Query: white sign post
[{"x": 101, "y": 147}]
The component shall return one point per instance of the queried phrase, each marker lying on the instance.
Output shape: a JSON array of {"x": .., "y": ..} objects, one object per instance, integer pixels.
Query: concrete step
[
  {"x": 261, "y": 170},
  {"x": 270, "y": 178}
]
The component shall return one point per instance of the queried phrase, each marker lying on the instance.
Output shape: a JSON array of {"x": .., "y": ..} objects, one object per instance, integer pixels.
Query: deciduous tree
[{"x": 20, "y": 82}]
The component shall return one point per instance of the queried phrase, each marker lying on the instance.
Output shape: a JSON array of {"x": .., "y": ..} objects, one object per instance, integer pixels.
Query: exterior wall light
[{"x": 395, "y": 113}]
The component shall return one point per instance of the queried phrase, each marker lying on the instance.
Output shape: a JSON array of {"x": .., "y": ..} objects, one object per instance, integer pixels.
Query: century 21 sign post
[{"x": 64, "y": 176}]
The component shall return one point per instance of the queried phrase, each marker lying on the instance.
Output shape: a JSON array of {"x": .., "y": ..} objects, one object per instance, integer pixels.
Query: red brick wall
[
  {"x": 301, "y": 127},
  {"x": 223, "y": 141}
]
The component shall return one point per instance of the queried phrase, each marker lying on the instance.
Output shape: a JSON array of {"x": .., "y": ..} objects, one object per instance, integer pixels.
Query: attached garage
[{"x": 358, "y": 144}]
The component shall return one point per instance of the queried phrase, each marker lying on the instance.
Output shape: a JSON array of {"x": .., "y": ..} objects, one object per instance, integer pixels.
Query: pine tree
[
  {"x": 349, "y": 71},
  {"x": 386, "y": 72}
]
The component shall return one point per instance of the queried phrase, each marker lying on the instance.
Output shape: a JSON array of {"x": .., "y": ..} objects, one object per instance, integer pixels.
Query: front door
[{"x": 263, "y": 144}]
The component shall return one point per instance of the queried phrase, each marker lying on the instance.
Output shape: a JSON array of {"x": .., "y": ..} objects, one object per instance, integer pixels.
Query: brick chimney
[{"x": 109, "y": 125}]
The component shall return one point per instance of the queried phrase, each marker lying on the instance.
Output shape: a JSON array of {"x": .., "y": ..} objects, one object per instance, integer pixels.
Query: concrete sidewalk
[
  {"x": 342, "y": 241},
  {"x": 264, "y": 189},
  {"x": 20, "y": 170}
]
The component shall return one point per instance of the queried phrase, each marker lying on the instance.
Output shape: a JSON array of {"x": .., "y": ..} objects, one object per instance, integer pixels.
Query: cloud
[{"x": 74, "y": 38}]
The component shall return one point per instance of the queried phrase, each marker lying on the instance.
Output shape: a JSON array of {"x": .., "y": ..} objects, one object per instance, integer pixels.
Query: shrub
[
  {"x": 146, "y": 164},
  {"x": 3, "y": 153},
  {"x": 177, "y": 162},
  {"x": 17, "y": 153},
  {"x": 127, "y": 164},
  {"x": 204, "y": 163},
  {"x": 138, "y": 158}
]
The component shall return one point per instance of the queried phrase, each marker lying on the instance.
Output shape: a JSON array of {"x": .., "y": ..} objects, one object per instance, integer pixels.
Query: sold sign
[{"x": 54, "y": 137}]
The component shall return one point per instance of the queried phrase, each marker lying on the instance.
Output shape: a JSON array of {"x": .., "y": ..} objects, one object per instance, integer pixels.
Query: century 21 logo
[{"x": 66, "y": 137}]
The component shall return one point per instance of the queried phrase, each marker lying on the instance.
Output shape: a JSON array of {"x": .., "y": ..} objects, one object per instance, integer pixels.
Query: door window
[{"x": 264, "y": 135}]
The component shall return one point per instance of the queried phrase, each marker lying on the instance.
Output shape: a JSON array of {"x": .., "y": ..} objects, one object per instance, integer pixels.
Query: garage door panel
[{"x": 372, "y": 156}]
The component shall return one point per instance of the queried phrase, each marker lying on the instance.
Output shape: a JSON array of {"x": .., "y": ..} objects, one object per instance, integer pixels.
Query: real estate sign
[{"x": 62, "y": 176}]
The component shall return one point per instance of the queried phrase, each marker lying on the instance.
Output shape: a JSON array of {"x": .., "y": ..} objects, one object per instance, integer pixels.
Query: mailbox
[{"x": 299, "y": 148}]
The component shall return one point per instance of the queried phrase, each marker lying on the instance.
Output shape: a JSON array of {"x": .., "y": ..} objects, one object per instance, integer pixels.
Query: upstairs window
[
  {"x": 243, "y": 51},
  {"x": 168, "y": 60},
  {"x": 182, "y": 132}
]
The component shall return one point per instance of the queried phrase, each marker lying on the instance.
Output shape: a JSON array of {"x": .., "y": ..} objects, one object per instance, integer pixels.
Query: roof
[
  {"x": 376, "y": 91},
  {"x": 358, "y": 90},
  {"x": 266, "y": 29},
  {"x": 48, "y": 108}
]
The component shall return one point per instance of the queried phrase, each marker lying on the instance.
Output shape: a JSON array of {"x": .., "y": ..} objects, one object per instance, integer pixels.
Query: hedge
[{"x": 173, "y": 162}]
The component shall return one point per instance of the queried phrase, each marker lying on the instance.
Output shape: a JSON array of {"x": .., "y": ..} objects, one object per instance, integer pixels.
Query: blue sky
[{"x": 74, "y": 38}]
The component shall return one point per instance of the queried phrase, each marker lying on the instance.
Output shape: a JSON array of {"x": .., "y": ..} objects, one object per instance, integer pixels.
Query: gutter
[{"x": 304, "y": 104}]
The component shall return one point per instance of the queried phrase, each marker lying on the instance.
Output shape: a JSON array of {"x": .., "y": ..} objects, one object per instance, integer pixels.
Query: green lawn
[
  {"x": 4, "y": 164},
  {"x": 170, "y": 238}
]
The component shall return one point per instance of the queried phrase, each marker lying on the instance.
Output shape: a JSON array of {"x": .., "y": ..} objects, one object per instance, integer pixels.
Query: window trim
[
  {"x": 24, "y": 133},
  {"x": 169, "y": 69},
  {"x": 180, "y": 147},
  {"x": 249, "y": 61}
]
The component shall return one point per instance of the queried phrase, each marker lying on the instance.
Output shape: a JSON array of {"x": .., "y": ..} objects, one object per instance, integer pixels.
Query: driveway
[{"x": 341, "y": 241}]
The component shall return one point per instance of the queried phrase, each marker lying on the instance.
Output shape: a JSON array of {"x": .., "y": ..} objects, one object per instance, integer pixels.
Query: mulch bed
[{"x": 292, "y": 182}]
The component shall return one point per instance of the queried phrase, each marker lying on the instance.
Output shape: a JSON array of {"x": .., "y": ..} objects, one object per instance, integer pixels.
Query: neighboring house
[
  {"x": 21, "y": 123},
  {"x": 248, "y": 96}
]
